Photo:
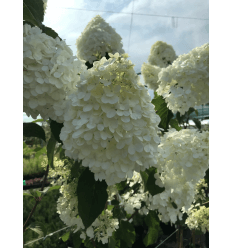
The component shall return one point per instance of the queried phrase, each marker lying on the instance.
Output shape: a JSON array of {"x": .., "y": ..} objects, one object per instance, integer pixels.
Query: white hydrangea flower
[
  {"x": 185, "y": 83},
  {"x": 199, "y": 191},
  {"x": 135, "y": 179},
  {"x": 83, "y": 235},
  {"x": 150, "y": 75},
  {"x": 112, "y": 191},
  {"x": 104, "y": 226},
  {"x": 132, "y": 201},
  {"x": 183, "y": 160},
  {"x": 67, "y": 206},
  {"x": 97, "y": 39},
  {"x": 161, "y": 54},
  {"x": 198, "y": 218},
  {"x": 60, "y": 169},
  {"x": 50, "y": 72},
  {"x": 111, "y": 125}
]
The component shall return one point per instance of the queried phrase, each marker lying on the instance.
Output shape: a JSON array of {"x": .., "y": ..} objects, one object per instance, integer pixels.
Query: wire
[
  {"x": 139, "y": 14},
  {"x": 167, "y": 238},
  {"x": 50, "y": 234},
  {"x": 131, "y": 25}
]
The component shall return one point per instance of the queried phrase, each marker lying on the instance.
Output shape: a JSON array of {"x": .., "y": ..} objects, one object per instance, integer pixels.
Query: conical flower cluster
[
  {"x": 50, "y": 73},
  {"x": 183, "y": 160},
  {"x": 161, "y": 54},
  {"x": 97, "y": 39},
  {"x": 185, "y": 83},
  {"x": 111, "y": 124}
]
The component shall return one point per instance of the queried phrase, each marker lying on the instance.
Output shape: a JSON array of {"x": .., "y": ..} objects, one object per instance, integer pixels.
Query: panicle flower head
[
  {"x": 182, "y": 162},
  {"x": 150, "y": 75},
  {"x": 97, "y": 39},
  {"x": 161, "y": 54},
  {"x": 198, "y": 219},
  {"x": 185, "y": 83},
  {"x": 111, "y": 125},
  {"x": 50, "y": 73}
]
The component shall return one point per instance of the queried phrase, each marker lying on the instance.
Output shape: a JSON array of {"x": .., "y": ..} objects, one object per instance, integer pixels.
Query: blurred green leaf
[
  {"x": 49, "y": 32},
  {"x": 92, "y": 197},
  {"x": 33, "y": 130},
  {"x": 50, "y": 150},
  {"x": 152, "y": 221},
  {"x": 33, "y": 12},
  {"x": 144, "y": 177},
  {"x": 66, "y": 236},
  {"x": 114, "y": 202},
  {"x": 38, "y": 120},
  {"x": 151, "y": 186},
  {"x": 56, "y": 129},
  {"x": 197, "y": 123},
  {"x": 27, "y": 193},
  {"x": 174, "y": 124},
  {"x": 126, "y": 232},
  {"x": 162, "y": 110}
]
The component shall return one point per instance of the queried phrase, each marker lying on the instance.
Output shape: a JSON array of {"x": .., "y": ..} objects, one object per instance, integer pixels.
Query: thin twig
[
  {"x": 93, "y": 243},
  {"x": 136, "y": 211}
]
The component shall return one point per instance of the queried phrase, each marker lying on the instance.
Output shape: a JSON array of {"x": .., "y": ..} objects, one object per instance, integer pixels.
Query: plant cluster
[{"x": 121, "y": 155}]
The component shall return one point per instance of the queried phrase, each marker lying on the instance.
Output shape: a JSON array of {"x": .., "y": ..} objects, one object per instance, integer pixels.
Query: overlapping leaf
[
  {"x": 162, "y": 110},
  {"x": 33, "y": 130},
  {"x": 152, "y": 221},
  {"x": 92, "y": 197}
]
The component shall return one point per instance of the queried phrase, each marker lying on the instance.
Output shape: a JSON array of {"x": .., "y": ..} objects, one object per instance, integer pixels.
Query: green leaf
[
  {"x": 190, "y": 111},
  {"x": 75, "y": 169},
  {"x": 33, "y": 12},
  {"x": 144, "y": 177},
  {"x": 56, "y": 129},
  {"x": 110, "y": 207},
  {"x": 151, "y": 186},
  {"x": 181, "y": 118},
  {"x": 38, "y": 227},
  {"x": 113, "y": 242},
  {"x": 92, "y": 197},
  {"x": 27, "y": 193},
  {"x": 38, "y": 120},
  {"x": 174, "y": 124},
  {"x": 24, "y": 145},
  {"x": 114, "y": 202},
  {"x": 206, "y": 177},
  {"x": 54, "y": 187},
  {"x": 33, "y": 130},
  {"x": 29, "y": 23},
  {"x": 38, "y": 193},
  {"x": 162, "y": 110},
  {"x": 76, "y": 239},
  {"x": 197, "y": 123},
  {"x": 126, "y": 233},
  {"x": 40, "y": 151},
  {"x": 118, "y": 213},
  {"x": 49, "y": 31},
  {"x": 152, "y": 221},
  {"x": 50, "y": 150},
  {"x": 121, "y": 186},
  {"x": 65, "y": 237}
]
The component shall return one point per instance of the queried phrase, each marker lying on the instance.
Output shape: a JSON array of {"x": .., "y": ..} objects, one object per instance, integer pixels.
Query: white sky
[{"x": 69, "y": 18}]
